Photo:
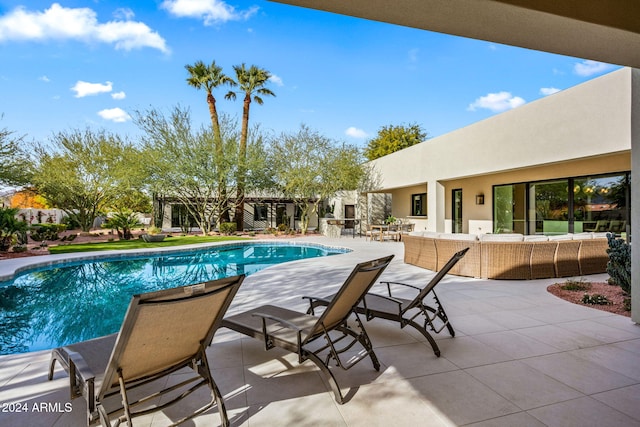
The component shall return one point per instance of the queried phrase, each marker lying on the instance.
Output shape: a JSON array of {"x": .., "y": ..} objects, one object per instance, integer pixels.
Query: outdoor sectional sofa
[{"x": 510, "y": 256}]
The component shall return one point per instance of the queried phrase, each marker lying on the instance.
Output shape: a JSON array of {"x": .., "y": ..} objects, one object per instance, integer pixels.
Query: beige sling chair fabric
[
  {"x": 301, "y": 333},
  {"x": 162, "y": 332}
]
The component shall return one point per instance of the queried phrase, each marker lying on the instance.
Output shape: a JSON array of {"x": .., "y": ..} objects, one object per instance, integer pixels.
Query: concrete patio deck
[{"x": 520, "y": 357}]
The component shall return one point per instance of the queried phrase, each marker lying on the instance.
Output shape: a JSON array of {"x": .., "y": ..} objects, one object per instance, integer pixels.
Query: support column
[{"x": 635, "y": 196}]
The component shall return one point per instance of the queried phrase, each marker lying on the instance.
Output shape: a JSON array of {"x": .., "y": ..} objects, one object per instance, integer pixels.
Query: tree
[
  {"x": 209, "y": 78},
  {"x": 15, "y": 166},
  {"x": 182, "y": 168},
  {"x": 392, "y": 138},
  {"x": 251, "y": 83},
  {"x": 309, "y": 168},
  {"x": 85, "y": 173}
]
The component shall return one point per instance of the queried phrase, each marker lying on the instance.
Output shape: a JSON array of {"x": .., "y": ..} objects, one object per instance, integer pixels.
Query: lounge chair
[
  {"x": 162, "y": 332},
  {"x": 302, "y": 333},
  {"x": 405, "y": 311}
]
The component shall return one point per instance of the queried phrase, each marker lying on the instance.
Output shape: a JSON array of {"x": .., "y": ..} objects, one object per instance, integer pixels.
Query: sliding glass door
[
  {"x": 510, "y": 208},
  {"x": 568, "y": 205}
]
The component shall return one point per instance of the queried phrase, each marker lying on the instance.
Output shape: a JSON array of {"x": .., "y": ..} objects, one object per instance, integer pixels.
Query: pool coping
[{"x": 10, "y": 268}]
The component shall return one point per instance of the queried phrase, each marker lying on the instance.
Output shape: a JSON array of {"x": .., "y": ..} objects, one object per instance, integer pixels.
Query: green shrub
[
  {"x": 595, "y": 299},
  {"x": 9, "y": 227},
  {"x": 576, "y": 285},
  {"x": 619, "y": 265},
  {"x": 228, "y": 228},
  {"x": 42, "y": 232},
  {"x": 154, "y": 230},
  {"x": 22, "y": 237},
  {"x": 70, "y": 222},
  {"x": 123, "y": 222}
]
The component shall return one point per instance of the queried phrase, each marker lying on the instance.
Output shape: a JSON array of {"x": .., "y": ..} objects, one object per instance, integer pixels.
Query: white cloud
[
  {"x": 83, "y": 89},
  {"x": 276, "y": 80},
  {"x": 589, "y": 68},
  {"x": 44, "y": 79},
  {"x": 124, "y": 13},
  {"x": 119, "y": 95},
  {"x": 497, "y": 102},
  {"x": 210, "y": 11},
  {"x": 61, "y": 23},
  {"x": 117, "y": 115},
  {"x": 549, "y": 90},
  {"x": 354, "y": 132}
]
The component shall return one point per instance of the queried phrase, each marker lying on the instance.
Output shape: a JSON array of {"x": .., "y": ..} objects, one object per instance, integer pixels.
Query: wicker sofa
[{"x": 510, "y": 256}]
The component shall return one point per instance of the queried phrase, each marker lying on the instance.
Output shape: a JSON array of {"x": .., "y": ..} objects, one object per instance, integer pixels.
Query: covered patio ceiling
[{"x": 601, "y": 30}]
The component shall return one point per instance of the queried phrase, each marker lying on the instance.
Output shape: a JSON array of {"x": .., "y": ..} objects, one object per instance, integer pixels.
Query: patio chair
[
  {"x": 406, "y": 311},
  {"x": 303, "y": 333},
  {"x": 162, "y": 332}
]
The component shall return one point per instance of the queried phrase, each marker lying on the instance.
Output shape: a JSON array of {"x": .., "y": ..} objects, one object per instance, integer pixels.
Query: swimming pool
[{"x": 75, "y": 301}]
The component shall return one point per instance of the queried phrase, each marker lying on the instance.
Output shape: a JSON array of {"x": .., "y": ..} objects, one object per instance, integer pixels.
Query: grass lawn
[{"x": 138, "y": 244}]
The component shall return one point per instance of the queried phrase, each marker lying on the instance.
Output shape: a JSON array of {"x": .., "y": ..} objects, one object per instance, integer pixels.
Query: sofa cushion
[
  {"x": 583, "y": 236},
  {"x": 506, "y": 237},
  {"x": 536, "y": 238},
  {"x": 562, "y": 237},
  {"x": 458, "y": 236},
  {"x": 600, "y": 235}
]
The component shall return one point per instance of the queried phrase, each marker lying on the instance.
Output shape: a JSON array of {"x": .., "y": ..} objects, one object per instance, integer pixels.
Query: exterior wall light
[{"x": 480, "y": 199}]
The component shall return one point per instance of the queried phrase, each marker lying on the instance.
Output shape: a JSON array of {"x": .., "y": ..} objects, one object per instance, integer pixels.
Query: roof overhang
[{"x": 601, "y": 30}]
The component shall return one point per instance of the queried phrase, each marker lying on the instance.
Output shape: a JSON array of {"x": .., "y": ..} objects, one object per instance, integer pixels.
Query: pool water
[{"x": 73, "y": 302}]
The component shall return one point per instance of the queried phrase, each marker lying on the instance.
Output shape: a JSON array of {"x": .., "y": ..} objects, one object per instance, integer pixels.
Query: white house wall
[{"x": 590, "y": 119}]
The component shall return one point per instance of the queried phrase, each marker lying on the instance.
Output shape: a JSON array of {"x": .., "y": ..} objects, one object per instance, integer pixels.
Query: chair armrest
[
  {"x": 314, "y": 302},
  {"x": 392, "y": 299},
  {"x": 401, "y": 284},
  {"x": 268, "y": 343}
]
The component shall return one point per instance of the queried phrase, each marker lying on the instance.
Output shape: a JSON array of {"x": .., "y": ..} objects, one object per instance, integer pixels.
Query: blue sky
[{"x": 91, "y": 63}]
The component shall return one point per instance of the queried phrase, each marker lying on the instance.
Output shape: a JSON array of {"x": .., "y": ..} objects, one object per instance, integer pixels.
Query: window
[
  {"x": 456, "y": 209},
  {"x": 181, "y": 217},
  {"x": 550, "y": 203},
  {"x": 509, "y": 208},
  {"x": 419, "y": 204},
  {"x": 260, "y": 212},
  {"x": 569, "y": 205},
  {"x": 600, "y": 203}
]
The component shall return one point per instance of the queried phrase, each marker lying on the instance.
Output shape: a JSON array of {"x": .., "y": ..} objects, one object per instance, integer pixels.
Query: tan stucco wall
[
  {"x": 471, "y": 187},
  {"x": 589, "y": 120},
  {"x": 401, "y": 201}
]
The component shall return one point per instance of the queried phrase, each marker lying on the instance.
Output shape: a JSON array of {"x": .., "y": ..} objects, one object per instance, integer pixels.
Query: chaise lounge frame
[
  {"x": 406, "y": 311},
  {"x": 300, "y": 333},
  {"x": 162, "y": 332}
]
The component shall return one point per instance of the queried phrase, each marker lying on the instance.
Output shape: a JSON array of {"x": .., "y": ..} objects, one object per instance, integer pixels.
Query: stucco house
[{"x": 556, "y": 165}]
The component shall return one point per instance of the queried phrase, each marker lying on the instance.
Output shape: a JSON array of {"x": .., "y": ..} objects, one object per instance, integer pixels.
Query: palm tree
[
  {"x": 209, "y": 78},
  {"x": 251, "y": 82}
]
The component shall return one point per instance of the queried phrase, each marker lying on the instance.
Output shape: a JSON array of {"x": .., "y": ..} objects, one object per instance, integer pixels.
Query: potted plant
[{"x": 153, "y": 234}]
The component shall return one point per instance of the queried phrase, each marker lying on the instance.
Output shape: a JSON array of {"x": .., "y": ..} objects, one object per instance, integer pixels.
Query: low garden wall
[{"x": 510, "y": 256}]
